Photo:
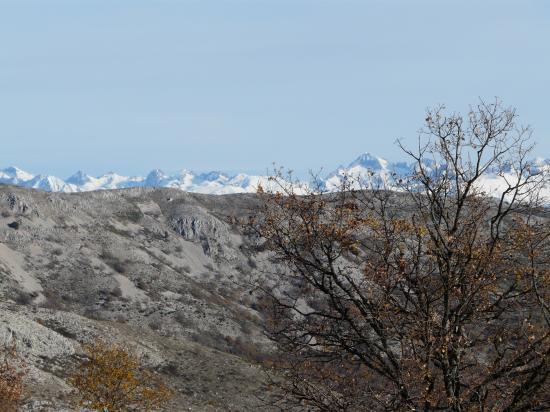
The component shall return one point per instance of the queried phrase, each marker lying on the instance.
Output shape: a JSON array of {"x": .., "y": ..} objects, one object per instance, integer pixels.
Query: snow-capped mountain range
[
  {"x": 211, "y": 182},
  {"x": 215, "y": 182}
]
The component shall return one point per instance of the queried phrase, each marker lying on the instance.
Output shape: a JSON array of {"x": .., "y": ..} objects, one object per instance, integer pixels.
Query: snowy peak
[
  {"x": 113, "y": 180},
  {"x": 154, "y": 178},
  {"x": 364, "y": 171},
  {"x": 16, "y": 174},
  {"x": 369, "y": 161},
  {"x": 542, "y": 164},
  {"x": 79, "y": 178},
  {"x": 50, "y": 184}
]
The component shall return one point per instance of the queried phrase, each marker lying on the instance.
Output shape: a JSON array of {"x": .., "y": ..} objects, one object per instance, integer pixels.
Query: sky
[{"x": 132, "y": 85}]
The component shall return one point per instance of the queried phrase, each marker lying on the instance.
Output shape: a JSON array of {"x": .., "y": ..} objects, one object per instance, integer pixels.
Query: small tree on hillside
[
  {"x": 12, "y": 378},
  {"x": 431, "y": 297},
  {"x": 113, "y": 379}
]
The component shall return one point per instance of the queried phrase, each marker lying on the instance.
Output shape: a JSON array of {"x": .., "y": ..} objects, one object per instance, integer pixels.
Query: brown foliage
[
  {"x": 433, "y": 297},
  {"x": 12, "y": 378},
  {"x": 112, "y": 378}
]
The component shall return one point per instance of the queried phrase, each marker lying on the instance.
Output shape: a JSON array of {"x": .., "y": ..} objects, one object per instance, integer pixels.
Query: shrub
[
  {"x": 22, "y": 298},
  {"x": 247, "y": 350},
  {"x": 112, "y": 378},
  {"x": 52, "y": 301},
  {"x": 117, "y": 292},
  {"x": 132, "y": 214},
  {"x": 252, "y": 263},
  {"x": 114, "y": 262},
  {"x": 155, "y": 325},
  {"x": 12, "y": 378},
  {"x": 185, "y": 321}
]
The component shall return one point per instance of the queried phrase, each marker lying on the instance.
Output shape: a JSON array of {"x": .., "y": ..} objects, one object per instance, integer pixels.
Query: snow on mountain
[
  {"x": 208, "y": 183},
  {"x": 370, "y": 171},
  {"x": 113, "y": 180},
  {"x": 182, "y": 180},
  {"x": 80, "y": 178},
  {"x": 496, "y": 183},
  {"x": 368, "y": 161},
  {"x": 84, "y": 182},
  {"x": 542, "y": 164},
  {"x": 14, "y": 175},
  {"x": 50, "y": 184},
  {"x": 365, "y": 171},
  {"x": 154, "y": 178}
]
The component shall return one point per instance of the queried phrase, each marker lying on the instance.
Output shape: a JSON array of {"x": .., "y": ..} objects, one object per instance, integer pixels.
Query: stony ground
[{"x": 158, "y": 269}]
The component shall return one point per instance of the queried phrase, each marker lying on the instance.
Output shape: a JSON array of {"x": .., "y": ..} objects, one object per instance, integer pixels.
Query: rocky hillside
[{"x": 160, "y": 269}]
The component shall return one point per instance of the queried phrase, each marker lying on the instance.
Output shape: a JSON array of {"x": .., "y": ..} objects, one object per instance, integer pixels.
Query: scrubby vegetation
[
  {"x": 430, "y": 298},
  {"x": 113, "y": 378},
  {"x": 13, "y": 373}
]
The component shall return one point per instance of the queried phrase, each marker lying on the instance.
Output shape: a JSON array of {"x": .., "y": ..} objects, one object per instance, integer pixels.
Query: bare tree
[{"x": 429, "y": 296}]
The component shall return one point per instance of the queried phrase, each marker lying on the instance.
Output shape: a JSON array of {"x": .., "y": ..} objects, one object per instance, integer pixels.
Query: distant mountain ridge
[{"x": 365, "y": 166}]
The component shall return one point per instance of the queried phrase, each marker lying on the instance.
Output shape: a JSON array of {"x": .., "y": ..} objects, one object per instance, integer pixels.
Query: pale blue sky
[{"x": 129, "y": 85}]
